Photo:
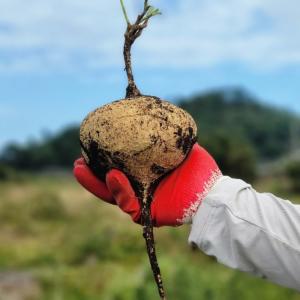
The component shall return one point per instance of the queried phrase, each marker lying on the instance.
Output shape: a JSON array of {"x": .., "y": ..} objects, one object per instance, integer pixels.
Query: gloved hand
[{"x": 176, "y": 198}]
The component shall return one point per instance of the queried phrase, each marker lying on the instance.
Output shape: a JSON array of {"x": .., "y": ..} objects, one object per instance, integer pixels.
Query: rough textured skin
[{"x": 144, "y": 137}]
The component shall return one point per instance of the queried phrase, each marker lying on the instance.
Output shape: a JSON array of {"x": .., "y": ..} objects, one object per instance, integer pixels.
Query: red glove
[{"x": 176, "y": 198}]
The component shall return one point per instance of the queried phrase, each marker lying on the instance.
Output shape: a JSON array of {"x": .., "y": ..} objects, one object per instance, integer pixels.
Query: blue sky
[{"x": 59, "y": 59}]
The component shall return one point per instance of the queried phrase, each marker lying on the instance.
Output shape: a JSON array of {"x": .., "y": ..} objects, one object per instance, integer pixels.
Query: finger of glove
[
  {"x": 121, "y": 189},
  {"x": 91, "y": 183}
]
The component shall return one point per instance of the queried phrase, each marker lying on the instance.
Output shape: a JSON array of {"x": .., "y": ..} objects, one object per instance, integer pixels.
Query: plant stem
[
  {"x": 133, "y": 31},
  {"x": 131, "y": 90},
  {"x": 124, "y": 12}
]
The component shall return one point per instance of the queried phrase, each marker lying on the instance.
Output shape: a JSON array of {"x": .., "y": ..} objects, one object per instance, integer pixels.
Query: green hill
[
  {"x": 234, "y": 126},
  {"x": 240, "y": 131},
  {"x": 238, "y": 115}
]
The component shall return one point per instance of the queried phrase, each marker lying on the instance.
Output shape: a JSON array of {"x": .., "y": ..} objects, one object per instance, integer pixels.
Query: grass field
[{"x": 58, "y": 242}]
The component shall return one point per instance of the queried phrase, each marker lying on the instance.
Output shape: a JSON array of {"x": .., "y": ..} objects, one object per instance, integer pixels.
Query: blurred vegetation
[
  {"x": 7, "y": 173},
  {"x": 236, "y": 128},
  {"x": 293, "y": 172},
  {"x": 77, "y": 248},
  {"x": 239, "y": 131},
  {"x": 58, "y": 151},
  {"x": 239, "y": 115}
]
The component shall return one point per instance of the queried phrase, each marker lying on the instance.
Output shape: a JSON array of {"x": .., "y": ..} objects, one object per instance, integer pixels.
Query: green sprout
[{"x": 149, "y": 12}]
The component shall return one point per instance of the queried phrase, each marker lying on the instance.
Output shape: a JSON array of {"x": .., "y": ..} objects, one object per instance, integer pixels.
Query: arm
[{"x": 253, "y": 232}]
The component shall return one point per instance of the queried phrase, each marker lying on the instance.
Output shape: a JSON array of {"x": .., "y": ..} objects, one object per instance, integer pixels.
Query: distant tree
[
  {"x": 55, "y": 151},
  {"x": 239, "y": 114},
  {"x": 237, "y": 129},
  {"x": 235, "y": 156},
  {"x": 65, "y": 147},
  {"x": 293, "y": 172}
]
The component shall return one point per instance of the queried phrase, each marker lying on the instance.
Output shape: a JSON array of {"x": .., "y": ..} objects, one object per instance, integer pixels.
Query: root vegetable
[{"x": 143, "y": 136}]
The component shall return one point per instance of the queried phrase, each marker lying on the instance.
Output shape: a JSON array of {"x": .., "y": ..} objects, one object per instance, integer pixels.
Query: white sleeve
[{"x": 249, "y": 231}]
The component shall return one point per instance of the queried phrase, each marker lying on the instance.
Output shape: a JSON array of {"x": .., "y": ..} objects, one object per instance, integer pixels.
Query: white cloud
[{"x": 76, "y": 34}]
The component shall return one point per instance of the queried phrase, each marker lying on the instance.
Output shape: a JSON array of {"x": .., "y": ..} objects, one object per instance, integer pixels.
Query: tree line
[{"x": 237, "y": 129}]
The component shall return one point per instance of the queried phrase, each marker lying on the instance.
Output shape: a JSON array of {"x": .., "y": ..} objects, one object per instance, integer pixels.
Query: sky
[{"x": 59, "y": 59}]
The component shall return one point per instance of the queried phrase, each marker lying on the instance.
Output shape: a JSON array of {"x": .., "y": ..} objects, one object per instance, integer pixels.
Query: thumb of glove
[
  {"x": 123, "y": 193},
  {"x": 90, "y": 182}
]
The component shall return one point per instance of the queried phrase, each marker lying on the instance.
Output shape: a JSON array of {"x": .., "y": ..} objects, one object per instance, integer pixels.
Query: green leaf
[{"x": 151, "y": 12}]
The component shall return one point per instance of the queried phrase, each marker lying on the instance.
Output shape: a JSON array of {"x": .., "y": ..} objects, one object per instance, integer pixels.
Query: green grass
[{"x": 79, "y": 248}]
